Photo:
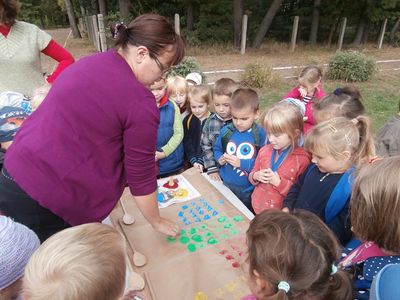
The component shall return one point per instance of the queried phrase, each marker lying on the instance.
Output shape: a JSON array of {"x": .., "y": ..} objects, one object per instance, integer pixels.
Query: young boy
[
  {"x": 222, "y": 94},
  {"x": 237, "y": 145},
  {"x": 169, "y": 154},
  {"x": 388, "y": 138},
  {"x": 81, "y": 262}
]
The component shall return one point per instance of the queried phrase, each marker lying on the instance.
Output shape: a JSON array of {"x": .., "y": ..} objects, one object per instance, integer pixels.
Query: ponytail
[
  {"x": 340, "y": 286},
  {"x": 366, "y": 147}
]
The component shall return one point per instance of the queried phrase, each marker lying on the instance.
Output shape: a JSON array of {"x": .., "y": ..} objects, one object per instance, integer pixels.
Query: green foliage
[
  {"x": 257, "y": 76},
  {"x": 351, "y": 66},
  {"x": 188, "y": 65}
]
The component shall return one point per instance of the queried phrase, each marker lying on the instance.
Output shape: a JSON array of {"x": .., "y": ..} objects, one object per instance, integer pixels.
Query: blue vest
[{"x": 174, "y": 161}]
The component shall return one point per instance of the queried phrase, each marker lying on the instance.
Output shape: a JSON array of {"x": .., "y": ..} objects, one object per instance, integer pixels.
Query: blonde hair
[
  {"x": 284, "y": 118},
  {"x": 340, "y": 134},
  {"x": 225, "y": 87},
  {"x": 82, "y": 262},
  {"x": 375, "y": 203},
  {"x": 177, "y": 85},
  {"x": 310, "y": 75}
]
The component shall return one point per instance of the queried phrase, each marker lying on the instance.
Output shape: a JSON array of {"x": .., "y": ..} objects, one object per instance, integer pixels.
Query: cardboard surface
[{"x": 206, "y": 260}]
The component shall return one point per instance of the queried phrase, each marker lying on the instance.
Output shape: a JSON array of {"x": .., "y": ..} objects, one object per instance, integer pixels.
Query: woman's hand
[{"x": 166, "y": 226}]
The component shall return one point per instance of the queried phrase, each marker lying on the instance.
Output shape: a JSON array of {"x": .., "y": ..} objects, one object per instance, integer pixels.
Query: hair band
[
  {"x": 355, "y": 121},
  {"x": 338, "y": 91},
  {"x": 284, "y": 286},
  {"x": 334, "y": 269},
  {"x": 118, "y": 27}
]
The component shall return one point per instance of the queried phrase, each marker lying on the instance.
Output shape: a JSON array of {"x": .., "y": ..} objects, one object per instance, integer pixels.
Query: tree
[
  {"x": 189, "y": 15},
  {"x": 124, "y": 8},
  {"x": 315, "y": 22},
  {"x": 393, "y": 31},
  {"x": 103, "y": 8},
  {"x": 237, "y": 21},
  {"x": 71, "y": 17},
  {"x": 266, "y": 22}
]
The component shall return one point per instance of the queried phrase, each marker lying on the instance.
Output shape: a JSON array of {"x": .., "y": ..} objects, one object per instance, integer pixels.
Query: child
[
  {"x": 293, "y": 256},
  {"x": 222, "y": 94},
  {"x": 169, "y": 154},
  {"x": 82, "y": 262},
  {"x": 388, "y": 137},
  {"x": 238, "y": 143},
  {"x": 375, "y": 211},
  {"x": 279, "y": 163},
  {"x": 337, "y": 147},
  {"x": 309, "y": 90},
  {"x": 17, "y": 244},
  {"x": 343, "y": 102},
  {"x": 178, "y": 90},
  {"x": 199, "y": 99}
]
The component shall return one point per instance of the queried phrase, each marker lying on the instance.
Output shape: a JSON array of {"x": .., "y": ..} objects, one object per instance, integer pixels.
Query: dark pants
[
  {"x": 17, "y": 204},
  {"x": 243, "y": 193}
]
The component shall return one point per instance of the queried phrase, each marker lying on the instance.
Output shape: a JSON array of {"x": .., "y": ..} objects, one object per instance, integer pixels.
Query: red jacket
[{"x": 267, "y": 196}]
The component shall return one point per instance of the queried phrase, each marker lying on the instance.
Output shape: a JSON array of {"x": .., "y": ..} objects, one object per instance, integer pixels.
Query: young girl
[
  {"x": 299, "y": 262},
  {"x": 337, "y": 147},
  {"x": 375, "y": 211},
  {"x": 199, "y": 99},
  {"x": 279, "y": 163},
  {"x": 178, "y": 89},
  {"x": 343, "y": 102},
  {"x": 169, "y": 153},
  {"x": 309, "y": 90}
]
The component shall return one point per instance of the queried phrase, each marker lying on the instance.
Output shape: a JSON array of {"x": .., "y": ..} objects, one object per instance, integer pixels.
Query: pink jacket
[
  {"x": 267, "y": 196},
  {"x": 319, "y": 93}
]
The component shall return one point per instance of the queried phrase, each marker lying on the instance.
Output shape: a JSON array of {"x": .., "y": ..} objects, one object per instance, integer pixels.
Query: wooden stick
[{"x": 152, "y": 294}]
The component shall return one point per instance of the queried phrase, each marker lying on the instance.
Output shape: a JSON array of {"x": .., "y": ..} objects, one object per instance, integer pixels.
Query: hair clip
[
  {"x": 355, "y": 121},
  {"x": 333, "y": 128},
  {"x": 374, "y": 159},
  {"x": 346, "y": 136},
  {"x": 284, "y": 286},
  {"x": 338, "y": 91},
  {"x": 118, "y": 27},
  {"x": 334, "y": 269}
]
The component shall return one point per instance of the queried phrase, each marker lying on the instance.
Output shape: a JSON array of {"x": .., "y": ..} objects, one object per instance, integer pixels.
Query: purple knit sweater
[{"x": 94, "y": 133}]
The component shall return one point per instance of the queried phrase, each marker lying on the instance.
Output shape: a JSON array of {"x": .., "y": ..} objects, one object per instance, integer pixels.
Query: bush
[
  {"x": 188, "y": 65},
  {"x": 257, "y": 76},
  {"x": 351, "y": 66}
]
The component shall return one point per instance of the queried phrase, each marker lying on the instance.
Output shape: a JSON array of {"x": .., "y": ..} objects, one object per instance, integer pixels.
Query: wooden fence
[{"x": 93, "y": 28}]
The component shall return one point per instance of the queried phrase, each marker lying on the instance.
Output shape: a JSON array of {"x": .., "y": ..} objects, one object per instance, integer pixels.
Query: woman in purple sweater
[{"x": 93, "y": 134}]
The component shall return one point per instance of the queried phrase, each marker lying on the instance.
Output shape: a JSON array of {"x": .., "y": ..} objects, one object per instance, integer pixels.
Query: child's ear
[
  {"x": 346, "y": 154},
  {"x": 262, "y": 288}
]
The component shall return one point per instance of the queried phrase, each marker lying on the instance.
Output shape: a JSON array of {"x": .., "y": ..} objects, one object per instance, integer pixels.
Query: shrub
[
  {"x": 257, "y": 76},
  {"x": 188, "y": 65},
  {"x": 351, "y": 66}
]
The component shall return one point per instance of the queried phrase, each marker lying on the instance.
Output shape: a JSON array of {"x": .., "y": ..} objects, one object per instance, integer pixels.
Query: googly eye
[
  {"x": 245, "y": 151},
  {"x": 231, "y": 148}
]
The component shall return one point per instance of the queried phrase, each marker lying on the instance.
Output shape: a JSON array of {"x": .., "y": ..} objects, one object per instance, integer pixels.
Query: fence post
[
  {"x": 294, "y": 33},
  {"x": 382, "y": 34},
  {"x": 96, "y": 33},
  {"x": 89, "y": 28},
  {"x": 244, "y": 35},
  {"x": 341, "y": 34},
  {"x": 177, "y": 25},
  {"x": 102, "y": 33}
]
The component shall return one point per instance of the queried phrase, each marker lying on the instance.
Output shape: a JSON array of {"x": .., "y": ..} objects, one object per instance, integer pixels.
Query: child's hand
[
  {"x": 233, "y": 160},
  {"x": 215, "y": 176},
  {"x": 198, "y": 166},
  {"x": 222, "y": 160},
  {"x": 285, "y": 209},
  {"x": 303, "y": 91},
  {"x": 305, "y": 119},
  {"x": 160, "y": 155},
  {"x": 273, "y": 177},
  {"x": 261, "y": 176},
  {"x": 167, "y": 227}
]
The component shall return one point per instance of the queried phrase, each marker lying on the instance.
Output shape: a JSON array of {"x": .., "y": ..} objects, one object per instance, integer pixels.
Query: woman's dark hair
[
  {"x": 155, "y": 33},
  {"x": 8, "y": 11}
]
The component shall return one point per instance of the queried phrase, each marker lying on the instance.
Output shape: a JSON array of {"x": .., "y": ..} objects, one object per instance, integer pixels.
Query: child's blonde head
[
  {"x": 225, "y": 87},
  {"x": 375, "y": 203},
  {"x": 82, "y": 262},
  {"x": 296, "y": 248},
  {"x": 342, "y": 139},
  {"x": 343, "y": 102},
  {"x": 284, "y": 118},
  {"x": 177, "y": 85},
  {"x": 200, "y": 93},
  {"x": 310, "y": 75}
]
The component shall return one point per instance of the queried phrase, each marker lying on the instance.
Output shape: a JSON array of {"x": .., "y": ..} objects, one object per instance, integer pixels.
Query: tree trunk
[
  {"x": 266, "y": 22},
  {"x": 360, "y": 32},
  {"x": 103, "y": 8},
  {"x": 315, "y": 23},
  {"x": 366, "y": 33},
  {"x": 94, "y": 7},
  {"x": 189, "y": 16},
  {"x": 237, "y": 21},
  {"x": 124, "y": 8},
  {"x": 394, "y": 30},
  {"x": 71, "y": 17}
]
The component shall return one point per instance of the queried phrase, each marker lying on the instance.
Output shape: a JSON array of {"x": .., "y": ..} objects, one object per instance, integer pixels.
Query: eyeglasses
[{"x": 162, "y": 68}]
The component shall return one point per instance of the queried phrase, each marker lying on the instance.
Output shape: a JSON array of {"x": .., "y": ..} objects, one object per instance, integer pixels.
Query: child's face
[
  {"x": 158, "y": 89},
  {"x": 222, "y": 106},
  {"x": 199, "y": 109},
  {"x": 310, "y": 87},
  {"x": 179, "y": 98},
  {"x": 326, "y": 163},
  {"x": 279, "y": 141},
  {"x": 243, "y": 118}
]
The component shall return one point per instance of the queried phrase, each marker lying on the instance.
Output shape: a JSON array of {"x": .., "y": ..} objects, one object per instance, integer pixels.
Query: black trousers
[{"x": 18, "y": 205}]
